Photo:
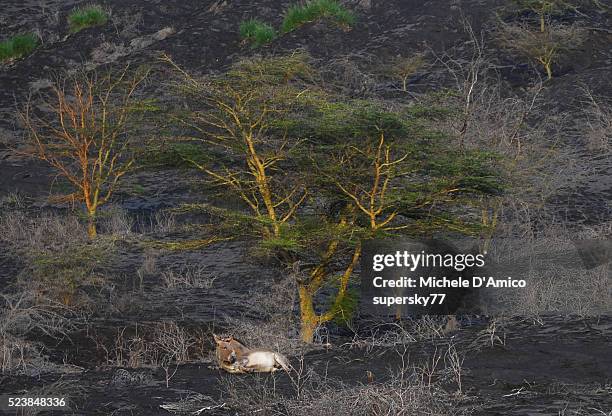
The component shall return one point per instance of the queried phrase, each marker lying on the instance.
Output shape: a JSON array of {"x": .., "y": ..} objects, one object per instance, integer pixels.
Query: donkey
[{"x": 236, "y": 358}]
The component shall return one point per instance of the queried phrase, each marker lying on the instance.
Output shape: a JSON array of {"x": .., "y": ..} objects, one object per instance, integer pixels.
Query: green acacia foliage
[{"x": 318, "y": 172}]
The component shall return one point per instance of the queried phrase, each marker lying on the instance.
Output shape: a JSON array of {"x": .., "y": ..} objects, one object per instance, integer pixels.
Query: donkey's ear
[{"x": 217, "y": 338}]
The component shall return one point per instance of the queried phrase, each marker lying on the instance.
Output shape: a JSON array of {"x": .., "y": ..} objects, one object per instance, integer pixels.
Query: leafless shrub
[
  {"x": 162, "y": 344},
  {"x": 127, "y": 23},
  {"x": 557, "y": 279},
  {"x": 16, "y": 354},
  {"x": 126, "y": 350},
  {"x": 188, "y": 277},
  {"x": 348, "y": 74},
  {"x": 454, "y": 361},
  {"x": 22, "y": 314},
  {"x": 117, "y": 221},
  {"x": 598, "y": 112},
  {"x": 173, "y": 342},
  {"x": 48, "y": 31},
  {"x": 469, "y": 79},
  {"x": 391, "y": 335},
  {"x": 42, "y": 232},
  {"x": 21, "y": 357},
  {"x": 148, "y": 266},
  {"x": 258, "y": 395},
  {"x": 490, "y": 337},
  {"x": 382, "y": 336},
  {"x": 602, "y": 230},
  {"x": 149, "y": 261},
  {"x": 165, "y": 221},
  {"x": 429, "y": 369},
  {"x": 59, "y": 258},
  {"x": 531, "y": 139},
  {"x": 13, "y": 200},
  {"x": 561, "y": 290},
  {"x": 518, "y": 127},
  {"x": 162, "y": 222}
]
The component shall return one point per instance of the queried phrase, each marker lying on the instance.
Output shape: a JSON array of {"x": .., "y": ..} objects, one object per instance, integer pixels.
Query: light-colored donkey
[{"x": 236, "y": 358}]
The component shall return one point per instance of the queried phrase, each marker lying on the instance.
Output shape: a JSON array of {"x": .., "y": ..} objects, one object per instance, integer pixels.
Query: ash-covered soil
[{"x": 547, "y": 365}]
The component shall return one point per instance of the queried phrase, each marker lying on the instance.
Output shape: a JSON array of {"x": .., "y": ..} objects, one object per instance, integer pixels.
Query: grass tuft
[
  {"x": 299, "y": 14},
  {"x": 18, "y": 46},
  {"x": 88, "y": 16},
  {"x": 257, "y": 32}
]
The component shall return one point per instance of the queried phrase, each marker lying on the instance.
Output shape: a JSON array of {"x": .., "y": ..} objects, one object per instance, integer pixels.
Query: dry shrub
[
  {"x": 151, "y": 345},
  {"x": 598, "y": 113},
  {"x": 349, "y": 74},
  {"x": 558, "y": 280},
  {"x": 164, "y": 222},
  {"x": 39, "y": 233},
  {"x": 536, "y": 155},
  {"x": 13, "y": 201},
  {"x": 188, "y": 277},
  {"x": 116, "y": 221},
  {"x": 174, "y": 342},
  {"x": 193, "y": 403},
  {"x": 392, "y": 335},
  {"x": 24, "y": 315},
  {"x": 16, "y": 355},
  {"x": 59, "y": 258}
]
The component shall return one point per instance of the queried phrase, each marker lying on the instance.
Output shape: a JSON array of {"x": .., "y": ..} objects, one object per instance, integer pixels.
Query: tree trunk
[
  {"x": 548, "y": 70},
  {"x": 92, "y": 230},
  {"x": 542, "y": 22},
  {"x": 308, "y": 317}
]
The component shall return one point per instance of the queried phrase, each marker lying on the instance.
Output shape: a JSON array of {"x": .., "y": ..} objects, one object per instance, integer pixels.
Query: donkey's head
[{"x": 228, "y": 348}]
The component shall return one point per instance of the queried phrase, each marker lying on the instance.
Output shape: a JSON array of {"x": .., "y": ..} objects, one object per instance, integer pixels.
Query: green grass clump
[
  {"x": 310, "y": 11},
  {"x": 18, "y": 46},
  {"x": 257, "y": 32},
  {"x": 85, "y": 17}
]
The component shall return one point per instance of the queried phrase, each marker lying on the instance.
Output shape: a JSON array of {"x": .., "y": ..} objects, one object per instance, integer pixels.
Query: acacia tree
[
  {"x": 545, "y": 48},
  {"x": 381, "y": 183},
  {"x": 406, "y": 67},
  {"x": 364, "y": 176},
  {"x": 82, "y": 128},
  {"x": 231, "y": 114},
  {"x": 543, "y": 8},
  {"x": 288, "y": 192}
]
